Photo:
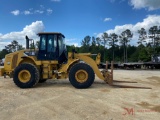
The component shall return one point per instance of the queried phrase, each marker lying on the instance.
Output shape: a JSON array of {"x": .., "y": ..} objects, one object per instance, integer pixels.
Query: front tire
[
  {"x": 26, "y": 75},
  {"x": 81, "y": 75}
]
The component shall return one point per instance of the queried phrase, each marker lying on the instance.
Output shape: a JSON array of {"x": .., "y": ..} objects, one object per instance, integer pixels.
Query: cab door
[{"x": 48, "y": 47}]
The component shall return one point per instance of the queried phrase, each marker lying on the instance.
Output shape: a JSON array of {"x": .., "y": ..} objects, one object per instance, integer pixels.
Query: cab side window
[
  {"x": 60, "y": 42},
  {"x": 43, "y": 42},
  {"x": 55, "y": 42}
]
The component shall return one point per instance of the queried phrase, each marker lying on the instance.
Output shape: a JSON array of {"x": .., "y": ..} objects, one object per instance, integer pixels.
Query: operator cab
[{"x": 52, "y": 47}]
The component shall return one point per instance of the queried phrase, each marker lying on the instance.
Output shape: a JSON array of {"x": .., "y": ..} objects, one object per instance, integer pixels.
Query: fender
[{"x": 92, "y": 63}]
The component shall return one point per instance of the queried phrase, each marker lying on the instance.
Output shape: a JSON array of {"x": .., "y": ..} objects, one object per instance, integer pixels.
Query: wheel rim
[
  {"x": 24, "y": 76},
  {"x": 81, "y": 76}
]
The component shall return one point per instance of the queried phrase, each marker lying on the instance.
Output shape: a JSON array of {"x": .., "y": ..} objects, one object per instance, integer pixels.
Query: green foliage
[
  {"x": 104, "y": 38},
  {"x": 154, "y": 35},
  {"x": 14, "y": 46},
  {"x": 113, "y": 39},
  {"x": 142, "y": 36},
  {"x": 124, "y": 39},
  {"x": 70, "y": 48},
  {"x": 3, "y": 53},
  {"x": 86, "y": 44}
]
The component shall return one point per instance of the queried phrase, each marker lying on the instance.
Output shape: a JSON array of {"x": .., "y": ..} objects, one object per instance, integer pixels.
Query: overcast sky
[{"x": 74, "y": 18}]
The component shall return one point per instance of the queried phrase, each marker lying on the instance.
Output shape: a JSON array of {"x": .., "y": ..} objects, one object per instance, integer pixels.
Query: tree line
[
  {"x": 112, "y": 46},
  {"x": 118, "y": 48}
]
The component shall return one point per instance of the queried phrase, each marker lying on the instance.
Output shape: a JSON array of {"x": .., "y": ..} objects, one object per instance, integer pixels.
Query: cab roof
[{"x": 50, "y": 33}]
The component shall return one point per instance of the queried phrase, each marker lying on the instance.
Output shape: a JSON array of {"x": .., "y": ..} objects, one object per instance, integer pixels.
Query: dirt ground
[{"x": 58, "y": 100}]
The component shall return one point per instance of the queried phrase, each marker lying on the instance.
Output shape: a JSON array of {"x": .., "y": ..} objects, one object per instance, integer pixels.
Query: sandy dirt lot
[{"x": 58, "y": 100}]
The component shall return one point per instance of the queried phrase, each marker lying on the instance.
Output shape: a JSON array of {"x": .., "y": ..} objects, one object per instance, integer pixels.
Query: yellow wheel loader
[{"x": 52, "y": 61}]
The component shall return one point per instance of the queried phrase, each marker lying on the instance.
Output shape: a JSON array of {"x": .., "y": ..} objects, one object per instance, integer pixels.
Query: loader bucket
[{"x": 108, "y": 75}]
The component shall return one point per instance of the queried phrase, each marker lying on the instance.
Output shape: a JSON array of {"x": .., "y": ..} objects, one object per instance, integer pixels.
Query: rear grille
[{"x": 14, "y": 61}]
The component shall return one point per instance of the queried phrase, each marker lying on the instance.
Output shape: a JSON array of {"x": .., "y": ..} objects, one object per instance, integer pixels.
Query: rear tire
[
  {"x": 81, "y": 75},
  {"x": 26, "y": 75}
]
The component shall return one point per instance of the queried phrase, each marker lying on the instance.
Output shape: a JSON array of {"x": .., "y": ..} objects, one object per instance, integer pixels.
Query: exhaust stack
[{"x": 27, "y": 42}]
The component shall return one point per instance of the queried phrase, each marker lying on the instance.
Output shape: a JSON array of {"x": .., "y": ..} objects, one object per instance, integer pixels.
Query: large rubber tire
[
  {"x": 75, "y": 75},
  {"x": 26, "y": 75}
]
